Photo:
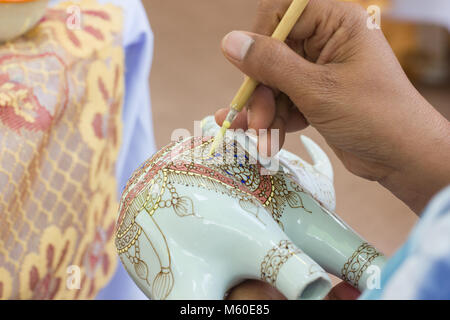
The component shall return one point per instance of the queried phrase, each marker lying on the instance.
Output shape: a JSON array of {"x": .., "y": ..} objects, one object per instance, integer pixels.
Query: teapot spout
[{"x": 294, "y": 273}]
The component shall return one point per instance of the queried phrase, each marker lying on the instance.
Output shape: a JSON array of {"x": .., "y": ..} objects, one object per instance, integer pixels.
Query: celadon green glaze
[
  {"x": 192, "y": 225},
  {"x": 314, "y": 227}
]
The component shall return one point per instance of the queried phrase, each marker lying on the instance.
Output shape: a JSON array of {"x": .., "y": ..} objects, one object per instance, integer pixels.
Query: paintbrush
[{"x": 248, "y": 87}]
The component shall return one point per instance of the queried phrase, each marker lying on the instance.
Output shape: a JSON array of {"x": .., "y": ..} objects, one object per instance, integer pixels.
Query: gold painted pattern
[
  {"x": 61, "y": 94},
  {"x": 360, "y": 260},
  {"x": 154, "y": 186},
  {"x": 275, "y": 259}
]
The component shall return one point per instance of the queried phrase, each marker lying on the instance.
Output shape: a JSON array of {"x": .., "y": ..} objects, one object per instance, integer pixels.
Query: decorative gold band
[
  {"x": 275, "y": 258},
  {"x": 355, "y": 266}
]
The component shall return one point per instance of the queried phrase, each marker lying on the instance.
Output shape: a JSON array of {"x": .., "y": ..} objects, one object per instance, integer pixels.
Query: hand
[
  {"x": 258, "y": 290},
  {"x": 342, "y": 78}
]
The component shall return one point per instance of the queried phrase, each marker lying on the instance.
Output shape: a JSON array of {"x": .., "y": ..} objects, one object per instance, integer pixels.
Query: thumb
[{"x": 271, "y": 62}]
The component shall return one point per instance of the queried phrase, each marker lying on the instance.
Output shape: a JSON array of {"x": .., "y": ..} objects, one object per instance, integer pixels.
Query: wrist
[
  {"x": 405, "y": 188},
  {"x": 424, "y": 168}
]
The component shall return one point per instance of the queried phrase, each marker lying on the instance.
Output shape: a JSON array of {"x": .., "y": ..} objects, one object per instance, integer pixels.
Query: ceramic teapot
[
  {"x": 192, "y": 225},
  {"x": 312, "y": 224},
  {"x": 187, "y": 230}
]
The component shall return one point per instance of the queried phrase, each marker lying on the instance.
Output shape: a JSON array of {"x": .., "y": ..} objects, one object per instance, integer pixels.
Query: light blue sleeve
[
  {"x": 137, "y": 139},
  {"x": 421, "y": 268}
]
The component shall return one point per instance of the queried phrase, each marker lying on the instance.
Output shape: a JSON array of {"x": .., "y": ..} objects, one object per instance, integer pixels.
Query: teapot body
[
  {"x": 188, "y": 230},
  {"x": 304, "y": 209},
  {"x": 192, "y": 225}
]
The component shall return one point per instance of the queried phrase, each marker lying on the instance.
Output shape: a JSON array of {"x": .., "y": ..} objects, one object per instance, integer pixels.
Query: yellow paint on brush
[
  {"x": 219, "y": 136},
  {"x": 226, "y": 124}
]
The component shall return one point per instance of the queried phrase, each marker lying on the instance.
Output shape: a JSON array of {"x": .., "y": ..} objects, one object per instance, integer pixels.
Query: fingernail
[{"x": 236, "y": 44}]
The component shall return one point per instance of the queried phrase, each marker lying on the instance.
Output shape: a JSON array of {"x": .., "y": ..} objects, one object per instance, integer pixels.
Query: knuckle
[
  {"x": 325, "y": 77},
  {"x": 330, "y": 79},
  {"x": 355, "y": 12},
  {"x": 274, "y": 8},
  {"x": 326, "y": 86},
  {"x": 264, "y": 4},
  {"x": 353, "y": 19},
  {"x": 272, "y": 4},
  {"x": 267, "y": 7},
  {"x": 353, "y": 7}
]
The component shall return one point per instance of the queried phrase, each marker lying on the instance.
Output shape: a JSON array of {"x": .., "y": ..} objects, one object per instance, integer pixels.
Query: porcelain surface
[{"x": 191, "y": 225}]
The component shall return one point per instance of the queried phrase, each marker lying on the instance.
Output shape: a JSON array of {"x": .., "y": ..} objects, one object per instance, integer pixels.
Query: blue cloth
[
  {"x": 137, "y": 138},
  {"x": 421, "y": 268}
]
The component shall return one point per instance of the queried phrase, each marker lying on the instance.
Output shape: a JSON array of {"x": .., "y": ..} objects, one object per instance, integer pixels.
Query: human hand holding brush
[{"x": 342, "y": 78}]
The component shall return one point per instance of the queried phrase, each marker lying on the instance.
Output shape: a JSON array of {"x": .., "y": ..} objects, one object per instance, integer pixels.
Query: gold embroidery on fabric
[
  {"x": 61, "y": 94},
  {"x": 5, "y": 284}
]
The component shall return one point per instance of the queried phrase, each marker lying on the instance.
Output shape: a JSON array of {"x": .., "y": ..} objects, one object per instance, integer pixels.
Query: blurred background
[{"x": 191, "y": 79}]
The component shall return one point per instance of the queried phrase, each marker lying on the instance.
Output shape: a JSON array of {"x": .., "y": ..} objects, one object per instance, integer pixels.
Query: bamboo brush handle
[
  {"x": 248, "y": 87},
  {"x": 281, "y": 32}
]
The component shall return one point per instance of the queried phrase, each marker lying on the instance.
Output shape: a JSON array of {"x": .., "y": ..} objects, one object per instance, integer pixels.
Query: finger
[
  {"x": 323, "y": 22},
  {"x": 343, "y": 291},
  {"x": 274, "y": 64},
  {"x": 254, "y": 290},
  {"x": 297, "y": 46},
  {"x": 283, "y": 106},
  {"x": 265, "y": 59},
  {"x": 296, "y": 120},
  {"x": 293, "y": 118},
  {"x": 261, "y": 109},
  {"x": 268, "y": 15},
  {"x": 239, "y": 123},
  {"x": 317, "y": 16},
  {"x": 271, "y": 141},
  {"x": 320, "y": 21}
]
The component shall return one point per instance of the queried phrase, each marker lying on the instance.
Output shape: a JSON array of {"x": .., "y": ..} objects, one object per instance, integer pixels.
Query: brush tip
[{"x": 219, "y": 137}]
